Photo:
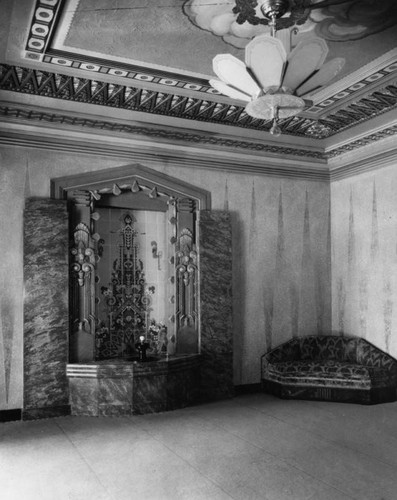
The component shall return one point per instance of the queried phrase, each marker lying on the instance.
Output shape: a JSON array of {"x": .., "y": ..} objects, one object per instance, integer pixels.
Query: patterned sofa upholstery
[{"x": 348, "y": 369}]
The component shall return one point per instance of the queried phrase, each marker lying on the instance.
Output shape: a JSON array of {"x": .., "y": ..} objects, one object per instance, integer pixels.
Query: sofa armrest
[{"x": 290, "y": 351}]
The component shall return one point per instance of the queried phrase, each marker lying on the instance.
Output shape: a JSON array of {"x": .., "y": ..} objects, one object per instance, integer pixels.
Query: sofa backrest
[
  {"x": 328, "y": 347},
  {"x": 321, "y": 348}
]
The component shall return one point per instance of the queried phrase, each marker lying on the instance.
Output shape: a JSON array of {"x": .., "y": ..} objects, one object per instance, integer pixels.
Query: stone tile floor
[{"x": 252, "y": 447}]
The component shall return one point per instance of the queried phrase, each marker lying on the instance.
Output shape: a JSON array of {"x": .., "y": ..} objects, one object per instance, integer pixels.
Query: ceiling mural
[
  {"x": 160, "y": 56},
  {"x": 237, "y": 22},
  {"x": 355, "y": 20},
  {"x": 179, "y": 39}
]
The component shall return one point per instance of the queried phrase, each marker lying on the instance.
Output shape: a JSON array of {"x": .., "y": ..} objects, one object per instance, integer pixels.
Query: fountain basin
[{"x": 119, "y": 387}]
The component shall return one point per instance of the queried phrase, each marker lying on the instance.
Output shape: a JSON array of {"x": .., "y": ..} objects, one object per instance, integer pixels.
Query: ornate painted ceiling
[{"x": 153, "y": 59}]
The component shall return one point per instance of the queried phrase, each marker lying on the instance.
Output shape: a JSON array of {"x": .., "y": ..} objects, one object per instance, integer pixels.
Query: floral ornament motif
[
  {"x": 127, "y": 296},
  {"x": 157, "y": 335},
  {"x": 186, "y": 257},
  {"x": 84, "y": 256}
]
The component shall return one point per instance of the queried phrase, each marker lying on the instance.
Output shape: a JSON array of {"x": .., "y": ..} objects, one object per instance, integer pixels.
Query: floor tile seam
[
  {"x": 317, "y": 480},
  {"x": 273, "y": 456},
  {"x": 87, "y": 463},
  {"x": 191, "y": 465},
  {"x": 326, "y": 440}
]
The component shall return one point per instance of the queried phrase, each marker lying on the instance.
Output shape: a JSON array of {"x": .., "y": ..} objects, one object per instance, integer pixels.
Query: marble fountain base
[{"x": 119, "y": 387}]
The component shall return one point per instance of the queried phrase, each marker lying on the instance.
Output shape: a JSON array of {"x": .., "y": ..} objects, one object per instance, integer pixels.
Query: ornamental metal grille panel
[{"x": 127, "y": 298}]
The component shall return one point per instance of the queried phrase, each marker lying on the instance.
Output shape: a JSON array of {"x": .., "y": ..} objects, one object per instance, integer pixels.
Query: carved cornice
[
  {"x": 43, "y": 83},
  {"x": 363, "y": 141},
  {"x": 170, "y": 135},
  {"x": 190, "y": 137},
  {"x": 382, "y": 160}
]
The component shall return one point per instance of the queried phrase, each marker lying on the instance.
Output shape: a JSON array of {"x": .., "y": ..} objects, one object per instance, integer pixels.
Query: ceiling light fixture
[
  {"x": 273, "y": 11},
  {"x": 272, "y": 82}
]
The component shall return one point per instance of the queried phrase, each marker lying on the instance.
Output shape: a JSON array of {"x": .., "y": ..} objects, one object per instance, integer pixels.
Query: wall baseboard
[
  {"x": 10, "y": 415},
  {"x": 47, "y": 412},
  {"x": 247, "y": 388}
]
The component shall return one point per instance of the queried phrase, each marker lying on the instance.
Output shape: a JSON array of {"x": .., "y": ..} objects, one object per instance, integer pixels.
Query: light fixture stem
[
  {"x": 275, "y": 129},
  {"x": 272, "y": 25}
]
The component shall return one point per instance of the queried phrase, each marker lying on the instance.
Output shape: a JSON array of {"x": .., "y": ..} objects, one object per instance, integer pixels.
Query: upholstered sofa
[{"x": 334, "y": 368}]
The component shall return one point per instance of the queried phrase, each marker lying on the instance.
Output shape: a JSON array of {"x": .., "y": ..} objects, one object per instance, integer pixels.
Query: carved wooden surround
[{"x": 199, "y": 298}]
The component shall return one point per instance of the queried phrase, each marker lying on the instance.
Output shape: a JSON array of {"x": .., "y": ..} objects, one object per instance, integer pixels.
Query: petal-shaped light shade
[
  {"x": 266, "y": 57},
  {"x": 307, "y": 57},
  {"x": 323, "y": 76},
  {"x": 234, "y": 72},
  {"x": 223, "y": 88}
]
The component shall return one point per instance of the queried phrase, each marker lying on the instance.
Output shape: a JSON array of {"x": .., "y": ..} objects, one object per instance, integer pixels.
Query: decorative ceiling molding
[
  {"x": 363, "y": 141},
  {"x": 383, "y": 160},
  {"x": 8, "y": 112},
  {"x": 72, "y": 88},
  {"x": 42, "y": 26},
  {"x": 164, "y": 133},
  {"x": 352, "y": 84},
  {"x": 149, "y": 155},
  {"x": 229, "y": 161}
]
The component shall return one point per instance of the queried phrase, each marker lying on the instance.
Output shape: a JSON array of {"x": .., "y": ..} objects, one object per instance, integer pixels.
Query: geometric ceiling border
[
  {"x": 75, "y": 88},
  {"x": 42, "y": 27},
  {"x": 379, "y": 101},
  {"x": 358, "y": 86},
  {"x": 78, "y": 89}
]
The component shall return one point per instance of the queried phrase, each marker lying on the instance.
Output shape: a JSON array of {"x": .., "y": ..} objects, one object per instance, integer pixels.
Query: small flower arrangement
[{"x": 157, "y": 333}]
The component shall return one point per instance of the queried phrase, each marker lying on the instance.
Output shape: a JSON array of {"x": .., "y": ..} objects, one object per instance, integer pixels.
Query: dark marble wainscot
[
  {"x": 118, "y": 387},
  {"x": 216, "y": 305},
  {"x": 45, "y": 309}
]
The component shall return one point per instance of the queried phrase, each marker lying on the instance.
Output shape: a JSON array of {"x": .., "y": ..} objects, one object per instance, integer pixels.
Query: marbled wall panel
[
  {"x": 216, "y": 307},
  {"x": 115, "y": 396},
  {"x": 46, "y": 319},
  {"x": 84, "y": 396},
  {"x": 149, "y": 393},
  {"x": 364, "y": 257}
]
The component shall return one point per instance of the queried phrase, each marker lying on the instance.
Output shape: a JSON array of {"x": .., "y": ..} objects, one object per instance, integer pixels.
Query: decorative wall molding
[
  {"x": 259, "y": 166},
  {"x": 363, "y": 166},
  {"x": 82, "y": 90},
  {"x": 227, "y": 163},
  {"x": 363, "y": 141},
  {"x": 170, "y": 135}
]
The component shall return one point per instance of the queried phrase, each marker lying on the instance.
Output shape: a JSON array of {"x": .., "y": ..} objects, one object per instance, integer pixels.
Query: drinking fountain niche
[
  {"x": 134, "y": 295},
  {"x": 118, "y": 262}
]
